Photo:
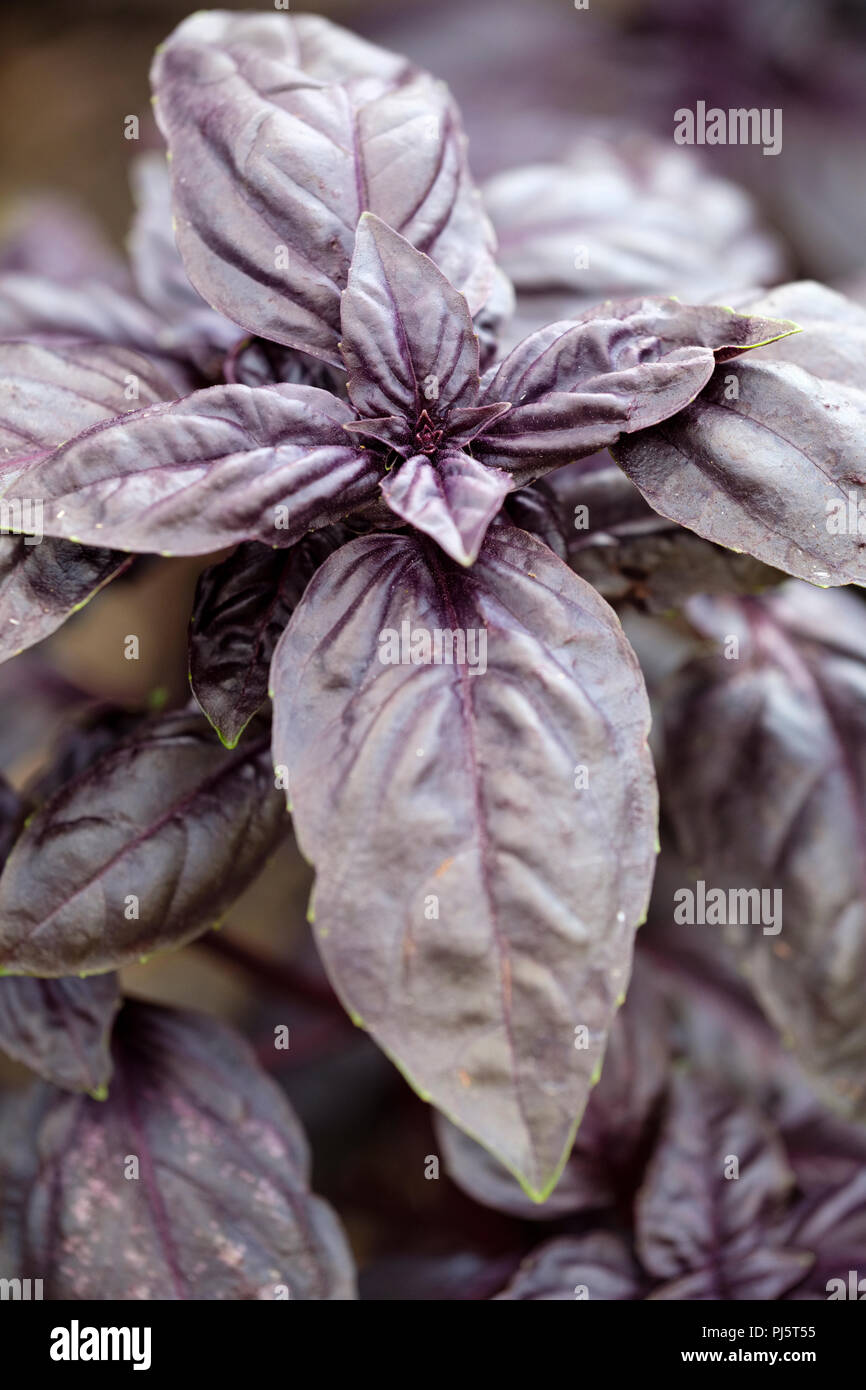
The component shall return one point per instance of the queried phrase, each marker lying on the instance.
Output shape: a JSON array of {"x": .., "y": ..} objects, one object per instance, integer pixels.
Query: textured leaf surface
[
  {"x": 772, "y": 469},
  {"x": 708, "y": 1235},
  {"x": 219, "y": 1207},
  {"x": 282, "y": 131},
  {"x": 576, "y": 385},
  {"x": 605, "y": 1164},
  {"x": 407, "y": 336},
  {"x": 156, "y": 264},
  {"x": 411, "y": 786},
  {"x": 141, "y": 852},
  {"x": 207, "y": 471},
  {"x": 52, "y": 390},
  {"x": 453, "y": 501}
]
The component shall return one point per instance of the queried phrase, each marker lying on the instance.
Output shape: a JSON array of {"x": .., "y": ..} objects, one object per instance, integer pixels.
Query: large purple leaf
[
  {"x": 769, "y": 458},
  {"x": 407, "y": 335},
  {"x": 61, "y": 1028},
  {"x": 596, "y": 1266},
  {"x": 766, "y": 789},
  {"x": 217, "y": 1205},
  {"x": 577, "y": 385},
  {"x": 707, "y": 1229},
  {"x": 42, "y": 585},
  {"x": 227, "y": 464},
  {"x": 242, "y": 606},
  {"x": 469, "y": 938},
  {"x": 141, "y": 852},
  {"x": 282, "y": 131}
]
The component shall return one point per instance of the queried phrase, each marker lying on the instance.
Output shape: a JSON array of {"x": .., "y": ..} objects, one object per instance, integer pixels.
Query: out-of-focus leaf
[
  {"x": 765, "y": 790},
  {"x": 60, "y": 1028},
  {"x": 32, "y": 305},
  {"x": 241, "y": 607},
  {"x": 52, "y": 390},
  {"x": 597, "y": 1266},
  {"x": 156, "y": 264},
  {"x": 577, "y": 385},
  {"x": 202, "y": 1166},
  {"x": 832, "y": 1224},
  {"x": 141, "y": 852},
  {"x": 478, "y": 945},
  {"x": 52, "y": 236},
  {"x": 769, "y": 458},
  {"x": 709, "y": 1213},
  {"x": 13, "y": 811},
  {"x": 42, "y": 585},
  {"x": 227, "y": 464},
  {"x": 665, "y": 567},
  {"x": 282, "y": 131},
  {"x": 623, "y": 216}
]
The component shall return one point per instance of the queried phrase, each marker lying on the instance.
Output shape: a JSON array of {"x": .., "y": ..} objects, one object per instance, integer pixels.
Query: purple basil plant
[{"x": 404, "y": 636}]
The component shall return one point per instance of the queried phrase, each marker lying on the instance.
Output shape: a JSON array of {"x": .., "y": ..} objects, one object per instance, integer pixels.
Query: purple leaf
[
  {"x": 156, "y": 264},
  {"x": 766, "y": 790},
  {"x": 44, "y": 584},
  {"x": 50, "y": 235},
  {"x": 624, "y": 216},
  {"x": 407, "y": 335},
  {"x": 241, "y": 607},
  {"x": 202, "y": 1166},
  {"x": 227, "y": 464},
  {"x": 141, "y": 852},
  {"x": 478, "y": 945},
  {"x": 31, "y": 305},
  {"x": 453, "y": 501},
  {"x": 769, "y": 458},
  {"x": 597, "y": 1266},
  {"x": 52, "y": 390},
  {"x": 575, "y": 386},
  {"x": 708, "y": 1228},
  {"x": 61, "y": 1028},
  {"x": 832, "y": 1224},
  {"x": 282, "y": 131},
  {"x": 605, "y": 1164}
]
